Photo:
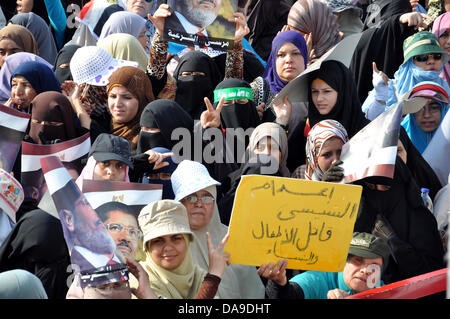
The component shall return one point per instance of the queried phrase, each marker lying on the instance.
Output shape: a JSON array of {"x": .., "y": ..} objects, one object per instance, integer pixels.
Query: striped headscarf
[{"x": 319, "y": 134}]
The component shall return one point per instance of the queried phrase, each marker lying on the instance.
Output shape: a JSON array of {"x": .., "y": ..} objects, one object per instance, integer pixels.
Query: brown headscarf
[
  {"x": 137, "y": 83},
  {"x": 315, "y": 17},
  {"x": 52, "y": 114},
  {"x": 21, "y": 36}
]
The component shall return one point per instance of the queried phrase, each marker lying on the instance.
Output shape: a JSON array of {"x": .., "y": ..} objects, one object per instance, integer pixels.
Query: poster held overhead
[{"x": 204, "y": 24}]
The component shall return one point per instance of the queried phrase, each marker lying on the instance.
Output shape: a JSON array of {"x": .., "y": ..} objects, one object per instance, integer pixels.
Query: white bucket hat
[
  {"x": 163, "y": 217},
  {"x": 93, "y": 65},
  {"x": 189, "y": 177},
  {"x": 11, "y": 194}
]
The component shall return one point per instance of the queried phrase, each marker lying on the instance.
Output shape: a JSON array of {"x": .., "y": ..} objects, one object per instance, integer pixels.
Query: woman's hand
[
  {"x": 159, "y": 17},
  {"x": 242, "y": 28},
  {"x": 218, "y": 260},
  {"x": 380, "y": 83},
  {"x": 283, "y": 111},
  {"x": 260, "y": 110},
  {"x": 158, "y": 158},
  {"x": 211, "y": 117},
  {"x": 143, "y": 291},
  {"x": 337, "y": 294},
  {"x": 415, "y": 19},
  {"x": 275, "y": 273}
]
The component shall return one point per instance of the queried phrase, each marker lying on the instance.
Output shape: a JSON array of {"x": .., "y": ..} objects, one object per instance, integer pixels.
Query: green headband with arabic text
[{"x": 235, "y": 93}]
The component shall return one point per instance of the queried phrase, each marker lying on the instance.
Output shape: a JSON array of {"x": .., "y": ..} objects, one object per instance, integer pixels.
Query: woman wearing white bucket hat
[
  {"x": 196, "y": 190},
  {"x": 171, "y": 269}
]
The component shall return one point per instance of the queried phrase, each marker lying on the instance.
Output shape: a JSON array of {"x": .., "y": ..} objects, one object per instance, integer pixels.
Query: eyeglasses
[
  {"x": 432, "y": 108},
  {"x": 133, "y": 232},
  {"x": 206, "y": 199},
  {"x": 425, "y": 57}
]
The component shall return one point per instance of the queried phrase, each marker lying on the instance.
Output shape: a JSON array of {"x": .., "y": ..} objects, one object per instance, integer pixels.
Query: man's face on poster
[
  {"x": 124, "y": 230},
  {"x": 199, "y": 12},
  {"x": 88, "y": 230}
]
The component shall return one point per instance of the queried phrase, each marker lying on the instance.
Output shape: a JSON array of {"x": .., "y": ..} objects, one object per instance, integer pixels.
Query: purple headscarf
[
  {"x": 8, "y": 68},
  {"x": 270, "y": 73}
]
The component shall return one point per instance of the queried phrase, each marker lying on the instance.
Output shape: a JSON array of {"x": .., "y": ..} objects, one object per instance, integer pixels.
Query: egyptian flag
[
  {"x": 372, "y": 151},
  {"x": 92, "y": 250},
  {"x": 13, "y": 125},
  {"x": 69, "y": 152},
  {"x": 135, "y": 195}
]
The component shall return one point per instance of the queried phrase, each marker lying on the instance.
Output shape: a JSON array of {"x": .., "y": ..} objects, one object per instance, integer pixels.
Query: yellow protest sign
[{"x": 308, "y": 223}]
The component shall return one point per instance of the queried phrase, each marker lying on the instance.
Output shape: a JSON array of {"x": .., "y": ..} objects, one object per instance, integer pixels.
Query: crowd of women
[{"x": 124, "y": 83}]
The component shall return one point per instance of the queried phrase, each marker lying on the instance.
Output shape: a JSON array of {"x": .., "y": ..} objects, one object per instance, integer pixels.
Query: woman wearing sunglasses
[{"x": 424, "y": 61}]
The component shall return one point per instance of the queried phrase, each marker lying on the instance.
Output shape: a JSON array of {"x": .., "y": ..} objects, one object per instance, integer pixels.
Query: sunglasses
[{"x": 425, "y": 57}]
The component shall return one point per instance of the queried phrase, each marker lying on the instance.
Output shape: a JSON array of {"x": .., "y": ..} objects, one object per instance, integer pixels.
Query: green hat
[
  {"x": 369, "y": 246},
  {"x": 422, "y": 43}
]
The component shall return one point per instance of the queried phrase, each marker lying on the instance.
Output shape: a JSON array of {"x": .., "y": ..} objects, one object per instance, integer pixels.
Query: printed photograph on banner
[
  {"x": 118, "y": 205},
  {"x": 90, "y": 244},
  {"x": 306, "y": 222},
  {"x": 372, "y": 151},
  {"x": 69, "y": 152},
  {"x": 201, "y": 23},
  {"x": 12, "y": 130}
]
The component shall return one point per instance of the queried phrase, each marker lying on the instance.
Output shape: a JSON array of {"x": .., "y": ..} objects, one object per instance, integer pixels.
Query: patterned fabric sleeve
[
  {"x": 157, "y": 57},
  {"x": 234, "y": 63}
]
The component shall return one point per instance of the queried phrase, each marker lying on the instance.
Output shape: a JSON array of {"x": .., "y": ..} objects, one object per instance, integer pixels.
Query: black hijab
[
  {"x": 192, "y": 89},
  {"x": 64, "y": 56},
  {"x": 416, "y": 247},
  {"x": 382, "y": 45},
  {"x": 265, "y": 18},
  {"x": 238, "y": 115},
  {"x": 167, "y": 116},
  {"x": 255, "y": 165},
  {"x": 422, "y": 172},
  {"x": 347, "y": 109},
  {"x": 37, "y": 245}
]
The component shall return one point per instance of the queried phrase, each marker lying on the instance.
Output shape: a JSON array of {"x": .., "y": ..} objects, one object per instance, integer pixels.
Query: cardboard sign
[
  {"x": 372, "y": 151},
  {"x": 12, "y": 130},
  {"x": 201, "y": 24},
  {"x": 308, "y": 223}
]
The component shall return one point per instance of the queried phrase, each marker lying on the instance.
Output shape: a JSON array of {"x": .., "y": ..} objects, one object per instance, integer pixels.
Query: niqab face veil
[{"x": 192, "y": 89}]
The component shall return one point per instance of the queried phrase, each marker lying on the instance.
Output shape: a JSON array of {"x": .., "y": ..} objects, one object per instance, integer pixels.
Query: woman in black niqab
[
  {"x": 193, "y": 88},
  {"x": 409, "y": 228}
]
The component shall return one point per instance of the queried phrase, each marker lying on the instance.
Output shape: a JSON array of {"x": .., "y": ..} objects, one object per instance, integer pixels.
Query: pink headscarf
[
  {"x": 88, "y": 173},
  {"x": 440, "y": 25}
]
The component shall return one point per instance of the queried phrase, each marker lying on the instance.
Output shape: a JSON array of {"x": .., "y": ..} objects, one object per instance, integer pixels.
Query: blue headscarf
[
  {"x": 41, "y": 77},
  {"x": 167, "y": 184},
  {"x": 408, "y": 75},
  {"x": 418, "y": 137},
  {"x": 270, "y": 73}
]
